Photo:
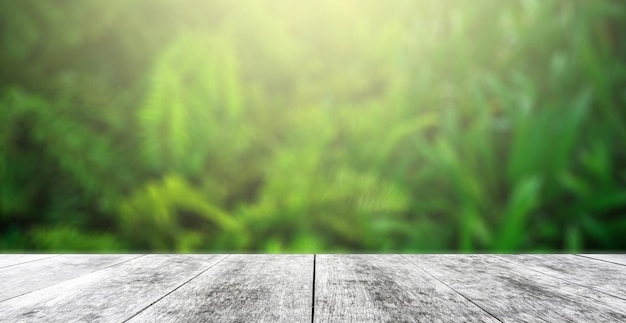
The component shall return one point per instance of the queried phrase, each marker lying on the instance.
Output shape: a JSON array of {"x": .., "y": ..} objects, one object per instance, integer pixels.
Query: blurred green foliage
[{"x": 312, "y": 126}]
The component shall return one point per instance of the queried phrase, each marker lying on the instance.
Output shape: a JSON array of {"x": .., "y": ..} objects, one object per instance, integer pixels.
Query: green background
[{"x": 312, "y": 126}]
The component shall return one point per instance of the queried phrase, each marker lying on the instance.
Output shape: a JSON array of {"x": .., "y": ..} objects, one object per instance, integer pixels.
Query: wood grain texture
[
  {"x": 598, "y": 275},
  {"x": 7, "y": 260},
  {"x": 50, "y": 271},
  {"x": 110, "y": 295},
  {"x": 613, "y": 258},
  {"x": 280, "y": 288},
  {"x": 516, "y": 294},
  {"x": 385, "y": 288},
  {"x": 242, "y": 288}
]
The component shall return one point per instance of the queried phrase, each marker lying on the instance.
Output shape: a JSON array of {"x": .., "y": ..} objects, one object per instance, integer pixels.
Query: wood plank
[
  {"x": 242, "y": 288},
  {"x": 385, "y": 288},
  {"x": 50, "y": 271},
  {"x": 599, "y": 275},
  {"x": 613, "y": 258},
  {"x": 7, "y": 260},
  {"x": 109, "y": 295},
  {"x": 517, "y": 294}
]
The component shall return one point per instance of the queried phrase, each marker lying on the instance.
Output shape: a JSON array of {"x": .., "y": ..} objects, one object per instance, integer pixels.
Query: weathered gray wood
[
  {"x": 242, "y": 288},
  {"x": 516, "y": 288},
  {"x": 7, "y": 260},
  {"x": 599, "y": 275},
  {"x": 109, "y": 295},
  {"x": 30, "y": 276},
  {"x": 385, "y": 288},
  {"x": 614, "y": 258},
  {"x": 516, "y": 294}
]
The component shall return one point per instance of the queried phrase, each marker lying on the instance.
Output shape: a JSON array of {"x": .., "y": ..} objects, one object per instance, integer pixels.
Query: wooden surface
[{"x": 313, "y": 288}]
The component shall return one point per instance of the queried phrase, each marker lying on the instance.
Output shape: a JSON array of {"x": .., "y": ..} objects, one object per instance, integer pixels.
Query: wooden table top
[{"x": 312, "y": 288}]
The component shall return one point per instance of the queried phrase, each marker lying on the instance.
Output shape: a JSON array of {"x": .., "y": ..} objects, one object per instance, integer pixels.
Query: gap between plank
[
  {"x": 61, "y": 282},
  {"x": 429, "y": 274},
  {"x": 175, "y": 289},
  {"x": 313, "y": 289},
  {"x": 603, "y": 260},
  {"x": 25, "y": 262},
  {"x": 559, "y": 278}
]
